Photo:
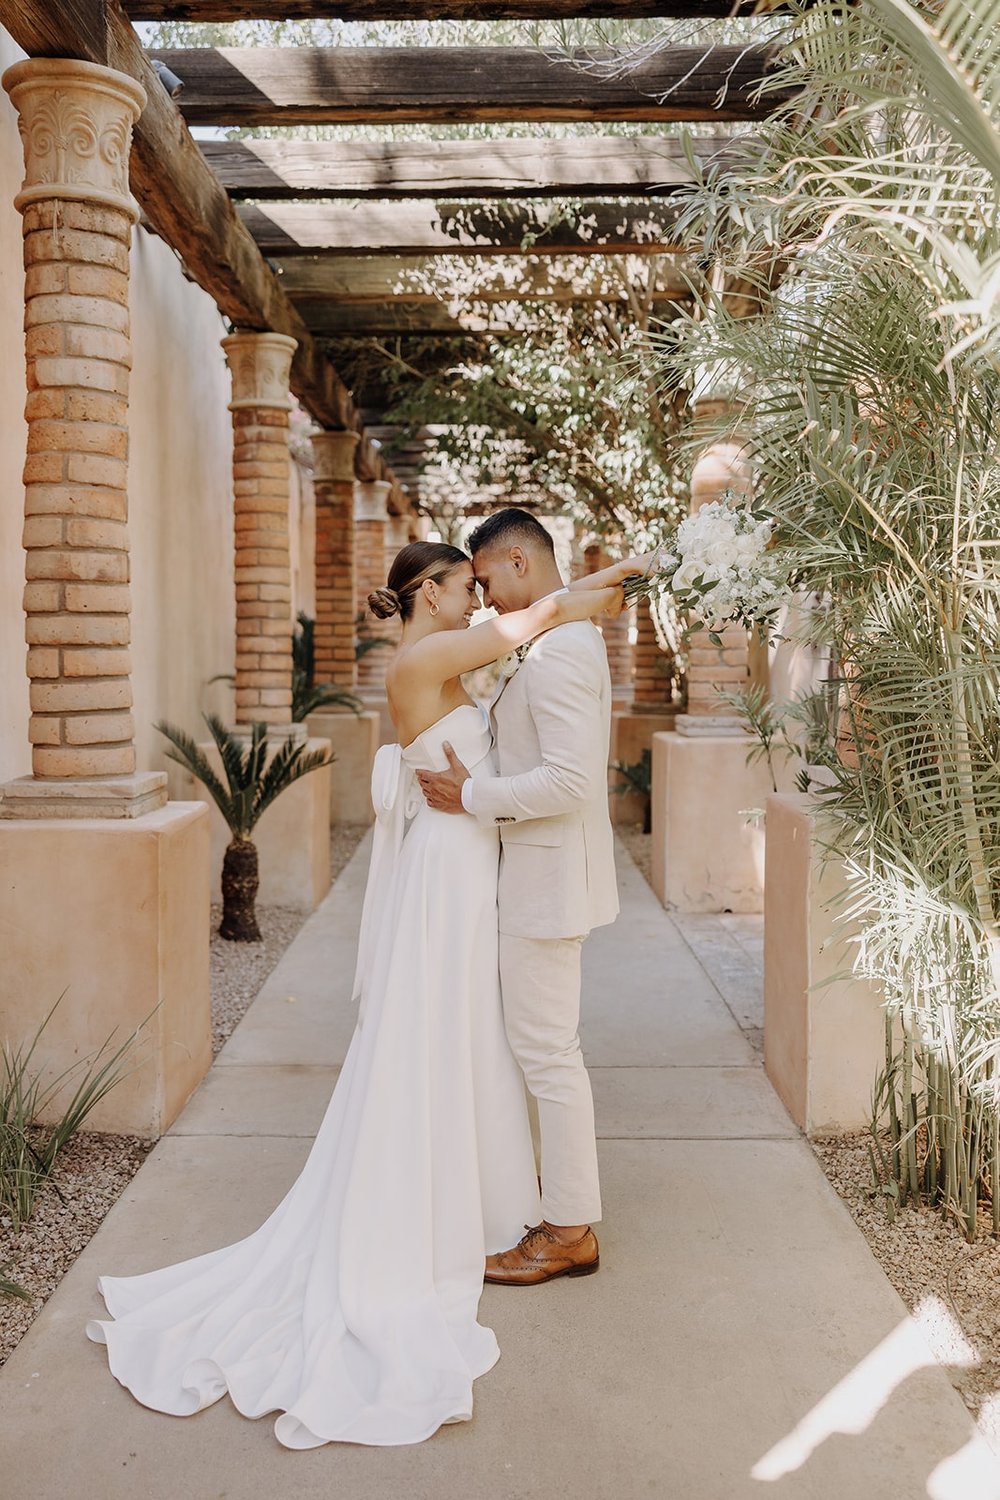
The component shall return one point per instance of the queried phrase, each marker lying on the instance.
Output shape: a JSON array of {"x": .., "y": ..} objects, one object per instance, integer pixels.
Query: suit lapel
[{"x": 501, "y": 688}]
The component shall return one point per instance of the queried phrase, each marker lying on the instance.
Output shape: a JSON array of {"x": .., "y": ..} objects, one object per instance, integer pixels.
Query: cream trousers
[{"x": 540, "y": 983}]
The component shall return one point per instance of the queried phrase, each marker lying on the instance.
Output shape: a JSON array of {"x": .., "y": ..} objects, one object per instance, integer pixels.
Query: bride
[{"x": 352, "y": 1311}]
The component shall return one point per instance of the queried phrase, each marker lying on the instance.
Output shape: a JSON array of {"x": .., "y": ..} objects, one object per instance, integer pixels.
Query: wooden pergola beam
[
  {"x": 347, "y": 85},
  {"x": 411, "y": 278},
  {"x": 617, "y": 166},
  {"x": 179, "y": 194},
  {"x": 358, "y": 319},
  {"x": 458, "y": 229},
  {"x": 432, "y": 10}
]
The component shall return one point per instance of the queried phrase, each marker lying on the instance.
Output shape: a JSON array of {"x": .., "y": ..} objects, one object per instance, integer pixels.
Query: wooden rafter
[
  {"x": 357, "y": 320},
  {"x": 312, "y": 280},
  {"x": 459, "y": 229},
  {"x": 345, "y": 85},
  {"x": 433, "y": 10},
  {"x": 336, "y": 319},
  {"x": 179, "y": 194},
  {"x": 617, "y": 166}
]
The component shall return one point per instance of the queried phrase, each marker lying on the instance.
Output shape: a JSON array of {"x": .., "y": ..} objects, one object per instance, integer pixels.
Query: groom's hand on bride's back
[{"x": 443, "y": 789}]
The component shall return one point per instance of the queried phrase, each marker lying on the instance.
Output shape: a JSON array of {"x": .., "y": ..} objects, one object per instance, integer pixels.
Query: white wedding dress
[{"x": 352, "y": 1310}]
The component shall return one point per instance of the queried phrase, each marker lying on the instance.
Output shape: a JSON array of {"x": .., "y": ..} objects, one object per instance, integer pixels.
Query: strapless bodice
[
  {"x": 395, "y": 790},
  {"x": 467, "y": 730}
]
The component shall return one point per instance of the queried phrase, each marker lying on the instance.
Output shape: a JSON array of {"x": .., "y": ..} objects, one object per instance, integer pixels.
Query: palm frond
[
  {"x": 290, "y": 763},
  {"x": 187, "y": 753},
  {"x": 957, "y": 53}
]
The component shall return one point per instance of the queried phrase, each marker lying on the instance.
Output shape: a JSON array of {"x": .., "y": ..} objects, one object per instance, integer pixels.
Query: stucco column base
[
  {"x": 102, "y": 797},
  {"x": 824, "y": 1043},
  {"x": 292, "y": 838},
  {"x": 355, "y": 739},
  {"x": 706, "y": 856},
  {"x": 632, "y": 733},
  {"x": 113, "y": 916}
]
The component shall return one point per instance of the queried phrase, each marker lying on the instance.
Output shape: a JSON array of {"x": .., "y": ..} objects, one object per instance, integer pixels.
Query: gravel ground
[
  {"x": 93, "y": 1170},
  {"x": 952, "y": 1288}
]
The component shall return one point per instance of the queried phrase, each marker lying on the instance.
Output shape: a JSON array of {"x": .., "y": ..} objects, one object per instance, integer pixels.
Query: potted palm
[{"x": 252, "y": 783}]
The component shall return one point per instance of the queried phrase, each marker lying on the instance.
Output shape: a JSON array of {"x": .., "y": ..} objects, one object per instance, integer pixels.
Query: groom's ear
[{"x": 519, "y": 558}]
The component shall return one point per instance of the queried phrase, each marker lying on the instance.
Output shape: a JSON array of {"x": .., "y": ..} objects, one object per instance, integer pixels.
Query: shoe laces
[{"x": 535, "y": 1233}]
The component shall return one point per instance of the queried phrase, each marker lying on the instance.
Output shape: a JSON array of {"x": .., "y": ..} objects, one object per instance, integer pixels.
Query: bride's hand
[{"x": 617, "y": 604}]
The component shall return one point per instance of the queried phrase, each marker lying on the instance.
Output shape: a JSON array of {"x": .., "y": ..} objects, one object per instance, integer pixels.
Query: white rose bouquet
[{"x": 723, "y": 570}]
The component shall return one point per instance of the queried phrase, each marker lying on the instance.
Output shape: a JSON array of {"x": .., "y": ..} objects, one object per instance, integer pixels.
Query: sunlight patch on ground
[{"x": 854, "y": 1402}]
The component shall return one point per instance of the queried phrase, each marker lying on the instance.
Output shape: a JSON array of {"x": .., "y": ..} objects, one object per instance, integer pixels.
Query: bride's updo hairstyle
[{"x": 411, "y": 568}]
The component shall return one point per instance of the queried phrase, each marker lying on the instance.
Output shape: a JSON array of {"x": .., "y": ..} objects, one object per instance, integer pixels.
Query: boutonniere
[{"x": 509, "y": 664}]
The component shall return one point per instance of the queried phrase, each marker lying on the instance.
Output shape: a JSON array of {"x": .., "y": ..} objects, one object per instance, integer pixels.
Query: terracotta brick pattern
[
  {"x": 720, "y": 468},
  {"x": 621, "y": 653},
  {"x": 77, "y": 596},
  {"x": 336, "y": 589},
  {"x": 263, "y": 565},
  {"x": 652, "y": 685},
  {"x": 370, "y": 532}
]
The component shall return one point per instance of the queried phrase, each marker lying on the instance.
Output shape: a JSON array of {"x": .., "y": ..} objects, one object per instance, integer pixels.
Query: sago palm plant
[
  {"x": 862, "y": 227},
  {"x": 252, "y": 782},
  {"x": 308, "y": 695}
]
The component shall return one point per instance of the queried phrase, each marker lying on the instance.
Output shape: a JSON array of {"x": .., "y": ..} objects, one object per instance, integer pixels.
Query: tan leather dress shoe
[{"x": 541, "y": 1257}]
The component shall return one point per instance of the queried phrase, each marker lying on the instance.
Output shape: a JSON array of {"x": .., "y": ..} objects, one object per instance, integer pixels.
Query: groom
[{"x": 552, "y": 722}]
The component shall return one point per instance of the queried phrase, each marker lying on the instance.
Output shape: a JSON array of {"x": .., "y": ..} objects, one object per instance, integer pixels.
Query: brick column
[
  {"x": 76, "y": 126},
  {"x": 651, "y": 683},
  {"x": 370, "y": 526},
  {"x": 260, "y": 365},
  {"x": 336, "y": 590},
  {"x": 105, "y": 889},
  {"x": 722, "y": 466},
  {"x": 615, "y": 632}
]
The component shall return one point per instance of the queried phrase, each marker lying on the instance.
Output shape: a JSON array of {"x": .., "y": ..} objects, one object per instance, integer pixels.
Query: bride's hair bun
[{"x": 383, "y": 603}]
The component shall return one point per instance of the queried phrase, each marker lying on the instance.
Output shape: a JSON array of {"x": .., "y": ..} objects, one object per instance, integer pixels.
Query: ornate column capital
[
  {"x": 370, "y": 500},
  {"x": 333, "y": 455},
  {"x": 75, "y": 120},
  {"x": 260, "y": 365}
]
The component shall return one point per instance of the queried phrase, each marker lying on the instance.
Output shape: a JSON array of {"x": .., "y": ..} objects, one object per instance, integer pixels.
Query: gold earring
[{"x": 434, "y": 607}]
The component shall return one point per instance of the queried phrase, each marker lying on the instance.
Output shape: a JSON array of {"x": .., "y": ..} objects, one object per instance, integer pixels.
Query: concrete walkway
[{"x": 739, "y": 1340}]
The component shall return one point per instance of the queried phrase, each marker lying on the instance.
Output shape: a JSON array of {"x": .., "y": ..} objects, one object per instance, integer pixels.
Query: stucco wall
[
  {"x": 180, "y": 489},
  {"x": 180, "y": 499}
]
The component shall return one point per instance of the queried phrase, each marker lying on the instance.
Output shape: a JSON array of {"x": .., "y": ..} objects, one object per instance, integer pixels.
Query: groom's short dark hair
[{"x": 507, "y": 528}]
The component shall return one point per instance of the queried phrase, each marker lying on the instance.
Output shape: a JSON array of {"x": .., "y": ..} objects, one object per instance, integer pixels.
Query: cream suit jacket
[{"x": 552, "y": 725}]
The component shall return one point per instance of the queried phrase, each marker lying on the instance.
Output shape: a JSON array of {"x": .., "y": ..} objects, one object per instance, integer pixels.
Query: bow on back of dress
[{"x": 397, "y": 798}]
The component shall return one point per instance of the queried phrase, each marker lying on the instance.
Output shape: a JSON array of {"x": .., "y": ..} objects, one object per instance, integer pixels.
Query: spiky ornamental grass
[
  {"x": 863, "y": 233},
  {"x": 28, "y": 1150}
]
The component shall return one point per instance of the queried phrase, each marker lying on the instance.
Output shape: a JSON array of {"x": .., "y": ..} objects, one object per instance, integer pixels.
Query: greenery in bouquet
[{"x": 723, "y": 568}]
